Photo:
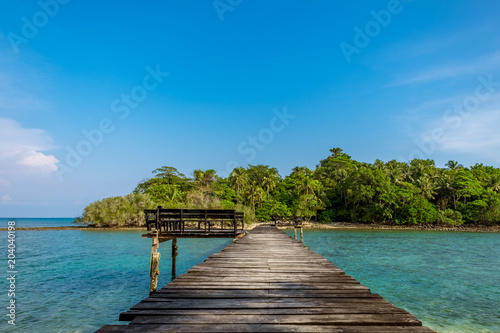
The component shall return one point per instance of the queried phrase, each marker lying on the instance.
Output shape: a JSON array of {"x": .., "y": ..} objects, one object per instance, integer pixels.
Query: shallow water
[
  {"x": 449, "y": 280},
  {"x": 77, "y": 281}
]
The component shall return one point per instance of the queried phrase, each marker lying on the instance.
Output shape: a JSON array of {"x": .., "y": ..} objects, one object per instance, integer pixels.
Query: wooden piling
[
  {"x": 174, "y": 255},
  {"x": 154, "y": 265}
]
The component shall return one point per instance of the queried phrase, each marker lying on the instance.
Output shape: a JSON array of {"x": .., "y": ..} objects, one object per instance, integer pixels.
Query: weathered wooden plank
[
  {"x": 267, "y": 272},
  {"x": 267, "y": 269},
  {"x": 270, "y": 279},
  {"x": 166, "y": 303},
  {"x": 246, "y": 295},
  {"x": 294, "y": 311},
  {"x": 323, "y": 319},
  {"x": 277, "y": 285}
]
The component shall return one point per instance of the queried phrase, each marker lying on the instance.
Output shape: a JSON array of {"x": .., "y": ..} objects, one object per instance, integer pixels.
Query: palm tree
[
  {"x": 171, "y": 193},
  {"x": 254, "y": 194},
  {"x": 379, "y": 165},
  {"x": 210, "y": 177},
  {"x": 309, "y": 186},
  {"x": 453, "y": 165},
  {"x": 445, "y": 189},
  {"x": 199, "y": 176},
  {"x": 494, "y": 182},
  {"x": 340, "y": 176},
  {"x": 269, "y": 183},
  {"x": 204, "y": 178},
  {"x": 337, "y": 152},
  {"x": 406, "y": 173},
  {"x": 238, "y": 180},
  {"x": 301, "y": 171},
  {"x": 259, "y": 196},
  {"x": 426, "y": 187}
]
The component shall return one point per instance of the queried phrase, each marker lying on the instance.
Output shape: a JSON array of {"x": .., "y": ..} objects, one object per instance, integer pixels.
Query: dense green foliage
[{"x": 339, "y": 189}]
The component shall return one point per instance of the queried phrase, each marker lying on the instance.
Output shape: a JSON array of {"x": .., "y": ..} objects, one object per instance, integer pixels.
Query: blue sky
[{"x": 94, "y": 95}]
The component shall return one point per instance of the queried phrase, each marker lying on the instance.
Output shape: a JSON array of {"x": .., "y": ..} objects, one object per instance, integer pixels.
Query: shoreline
[{"x": 306, "y": 226}]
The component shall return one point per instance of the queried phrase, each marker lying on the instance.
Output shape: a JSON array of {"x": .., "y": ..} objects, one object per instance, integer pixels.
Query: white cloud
[
  {"x": 435, "y": 42},
  {"x": 476, "y": 135},
  {"x": 21, "y": 150},
  {"x": 472, "y": 67},
  {"x": 6, "y": 198},
  {"x": 46, "y": 163}
]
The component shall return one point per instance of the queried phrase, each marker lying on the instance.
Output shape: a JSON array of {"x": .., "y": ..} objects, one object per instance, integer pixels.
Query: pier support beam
[
  {"x": 154, "y": 265},
  {"x": 301, "y": 235},
  {"x": 174, "y": 255}
]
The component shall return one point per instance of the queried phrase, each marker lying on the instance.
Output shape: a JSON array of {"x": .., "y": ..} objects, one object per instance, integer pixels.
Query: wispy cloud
[
  {"x": 21, "y": 150},
  {"x": 477, "y": 135},
  {"x": 440, "y": 103},
  {"x": 472, "y": 67},
  {"x": 22, "y": 86},
  {"x": 433, "y": 43}
]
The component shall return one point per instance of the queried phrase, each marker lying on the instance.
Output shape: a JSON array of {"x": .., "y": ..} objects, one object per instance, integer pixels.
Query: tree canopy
[{"x": 339, "y": 189}]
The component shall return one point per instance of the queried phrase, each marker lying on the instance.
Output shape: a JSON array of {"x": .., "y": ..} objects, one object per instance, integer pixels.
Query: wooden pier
[{"x": 265, "y": 281}]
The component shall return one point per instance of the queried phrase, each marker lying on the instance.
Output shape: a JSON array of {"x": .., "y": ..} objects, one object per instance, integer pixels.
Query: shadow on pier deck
[{"x": 265, "y": 281}]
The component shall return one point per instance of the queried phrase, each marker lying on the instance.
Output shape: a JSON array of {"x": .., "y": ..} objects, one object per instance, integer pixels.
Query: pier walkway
[{"x": 265, "y": 281}]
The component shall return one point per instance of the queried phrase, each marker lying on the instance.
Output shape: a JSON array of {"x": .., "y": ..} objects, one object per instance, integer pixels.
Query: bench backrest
[{"x": 166, "y": 216}]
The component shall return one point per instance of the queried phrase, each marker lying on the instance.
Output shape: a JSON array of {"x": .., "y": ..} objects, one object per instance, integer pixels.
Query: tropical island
[{"x": 339, "y": 189}]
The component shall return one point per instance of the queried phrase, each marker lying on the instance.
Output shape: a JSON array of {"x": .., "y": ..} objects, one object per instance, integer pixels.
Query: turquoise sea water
[
  {"x": 77, "y": 281},
  {"x": 449, "y": 280}
]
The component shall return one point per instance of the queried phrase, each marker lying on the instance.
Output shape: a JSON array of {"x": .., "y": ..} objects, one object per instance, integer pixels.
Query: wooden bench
[
  {"x": 287, "y": 220},
  {"x": 175, "y": 220}
]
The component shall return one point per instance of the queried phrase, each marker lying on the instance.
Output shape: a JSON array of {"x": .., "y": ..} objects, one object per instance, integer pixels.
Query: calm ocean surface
[{"x": 77, "y": 281}]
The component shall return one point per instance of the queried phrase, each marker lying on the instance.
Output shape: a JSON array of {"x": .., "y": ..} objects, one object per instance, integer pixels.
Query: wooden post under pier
[
  {"x": 301, "y": 233},
  {"x": 174, "y": 255},
  {"x": 154, "y": 265}
]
